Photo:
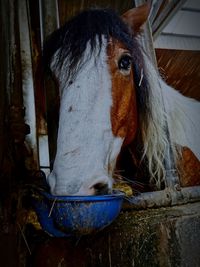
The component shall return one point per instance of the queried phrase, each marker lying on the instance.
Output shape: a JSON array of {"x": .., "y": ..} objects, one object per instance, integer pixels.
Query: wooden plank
[
  {"x": 70, "y": 8},
  {"x": 181, "y": 69}
]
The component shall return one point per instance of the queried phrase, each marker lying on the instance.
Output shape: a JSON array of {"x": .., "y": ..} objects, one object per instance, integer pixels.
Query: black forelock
[{"x": 90, "y": 25}]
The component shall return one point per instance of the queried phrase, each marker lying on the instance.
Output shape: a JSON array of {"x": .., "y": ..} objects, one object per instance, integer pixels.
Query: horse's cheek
[
  {"x": 119, "y": 109},
  {"x": 132, "y": 122},
  {"x": 130, "y": 109},
  {"x": 124, "y": 111}
]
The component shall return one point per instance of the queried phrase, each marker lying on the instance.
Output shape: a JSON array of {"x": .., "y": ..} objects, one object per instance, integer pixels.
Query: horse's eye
[{"x": 124, "y": 63}]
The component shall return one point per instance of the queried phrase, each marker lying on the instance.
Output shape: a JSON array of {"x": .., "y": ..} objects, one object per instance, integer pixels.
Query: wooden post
[{"x": 49, "y": 21}]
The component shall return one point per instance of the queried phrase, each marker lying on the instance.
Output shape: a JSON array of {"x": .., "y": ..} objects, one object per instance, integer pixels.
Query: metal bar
[
  {"x": 49, "y": 22},
  {"x": 190, "y": 9},
  {"x": 49, "y": 17},
  {"x": 147, "y": 40},
  {"x": 155, "y": 9},
  {"x": 180, "y": 35},
  {"x": 164, "y": 198},
  {"x": 171, "y": 175},
  {"x": 165, "y": 16}
]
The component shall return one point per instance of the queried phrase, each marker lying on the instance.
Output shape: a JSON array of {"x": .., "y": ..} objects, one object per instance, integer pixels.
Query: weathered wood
[
  {"x": 158, "y": 237},
  {"x": 70, "y": 8},
  {"x": 181, "y": 69}
]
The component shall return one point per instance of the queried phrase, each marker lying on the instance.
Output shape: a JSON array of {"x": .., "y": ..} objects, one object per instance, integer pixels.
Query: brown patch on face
[{"x": 124, "y": 110}]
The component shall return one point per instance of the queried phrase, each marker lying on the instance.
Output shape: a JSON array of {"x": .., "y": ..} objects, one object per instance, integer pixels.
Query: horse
[{"x": 112, "y": 99}]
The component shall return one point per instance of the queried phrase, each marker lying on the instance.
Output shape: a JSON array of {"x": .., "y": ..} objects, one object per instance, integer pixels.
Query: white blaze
[{"x": 86, "y": 147}]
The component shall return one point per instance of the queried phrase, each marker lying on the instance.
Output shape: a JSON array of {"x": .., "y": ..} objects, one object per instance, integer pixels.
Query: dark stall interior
[{"x": 19, "y": 159}]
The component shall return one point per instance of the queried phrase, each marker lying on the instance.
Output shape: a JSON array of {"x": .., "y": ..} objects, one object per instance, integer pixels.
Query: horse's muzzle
[{"x": 101, "y": 189}]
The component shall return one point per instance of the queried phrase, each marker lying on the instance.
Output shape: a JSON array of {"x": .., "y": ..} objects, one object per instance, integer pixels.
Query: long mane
[
  {"x": 174, "y": 122},
  {"x": 155, "y": 135}
]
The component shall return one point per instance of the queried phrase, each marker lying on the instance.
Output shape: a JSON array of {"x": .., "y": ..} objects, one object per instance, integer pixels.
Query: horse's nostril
[{"x": 101, "y": 188}]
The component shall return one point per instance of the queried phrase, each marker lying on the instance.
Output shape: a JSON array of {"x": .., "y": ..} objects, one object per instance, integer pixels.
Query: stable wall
[{"x": 154, "y": 237}]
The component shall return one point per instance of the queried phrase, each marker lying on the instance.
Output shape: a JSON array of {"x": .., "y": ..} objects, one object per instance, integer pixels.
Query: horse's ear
[{"x": 137, "y": 16}]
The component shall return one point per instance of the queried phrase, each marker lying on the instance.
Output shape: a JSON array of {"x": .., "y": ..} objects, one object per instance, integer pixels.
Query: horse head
[{"x": 95, "y": 59}]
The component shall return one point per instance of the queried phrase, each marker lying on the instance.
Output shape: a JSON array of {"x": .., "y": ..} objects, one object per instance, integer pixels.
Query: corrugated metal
[
  {"x": 182, "y": 31},
  {"x": 184, "y": 23},
  {"x": 192, "y": 4},
  {"x": 162, "y": 12},
  {"x": 170, "y": 41}
]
